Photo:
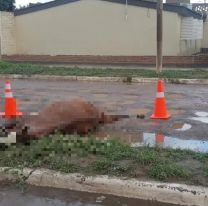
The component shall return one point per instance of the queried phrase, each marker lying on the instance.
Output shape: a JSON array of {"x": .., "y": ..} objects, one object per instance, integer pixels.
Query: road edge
[
  {"x": 147, "y": 190},
  {"x": 106, "y": 79}
]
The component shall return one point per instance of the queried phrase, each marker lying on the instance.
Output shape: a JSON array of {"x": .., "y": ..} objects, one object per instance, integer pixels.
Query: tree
[
  {"x": 7, "y": 5},
  {"x": 29, "y": 5}
]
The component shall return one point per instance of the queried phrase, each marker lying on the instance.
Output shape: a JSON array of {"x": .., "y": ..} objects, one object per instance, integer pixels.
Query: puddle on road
[
  {"x": 202, "y": 114},
  {"x": 201, "y": 117},
  {"x": 139, "y": 139},
  {"x": 40, "y": 196},
  {"x": 34, "y": 114},
  {"x": 152, "y": 140},
  {"x": 181, "y": 126}
]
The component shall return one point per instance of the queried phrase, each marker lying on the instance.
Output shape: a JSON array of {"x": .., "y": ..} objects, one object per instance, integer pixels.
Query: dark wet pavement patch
[
  {"x": 39, "y": 196},
  {"x": 176, "y": 95},
  {"x": 100, "y": 95},
  {"x": 139, "y": 111},
  {"x": 177, "y": 111}
]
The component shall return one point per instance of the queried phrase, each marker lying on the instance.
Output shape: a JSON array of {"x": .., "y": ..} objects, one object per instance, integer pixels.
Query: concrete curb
[
  {"x": 162, "y": 192},
  {"x": 105, "y": 79}
]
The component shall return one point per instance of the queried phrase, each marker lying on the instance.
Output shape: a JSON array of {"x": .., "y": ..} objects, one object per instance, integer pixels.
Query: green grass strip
[{"x": 32, "y": 69}]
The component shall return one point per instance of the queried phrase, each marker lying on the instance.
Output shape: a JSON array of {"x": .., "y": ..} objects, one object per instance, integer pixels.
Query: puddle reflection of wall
[{"x": 152, "y": 139}]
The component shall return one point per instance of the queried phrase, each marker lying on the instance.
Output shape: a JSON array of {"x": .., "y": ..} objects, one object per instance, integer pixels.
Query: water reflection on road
[{"x": 160, "y": 140}]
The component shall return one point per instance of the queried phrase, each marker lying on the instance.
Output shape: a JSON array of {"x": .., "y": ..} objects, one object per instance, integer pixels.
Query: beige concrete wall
[
  {"x": 7, "y": 34},
  {"x": 93, "y": 27},
  {"x": 205, "y": 36},
  {"x": 189, "y": 47}
]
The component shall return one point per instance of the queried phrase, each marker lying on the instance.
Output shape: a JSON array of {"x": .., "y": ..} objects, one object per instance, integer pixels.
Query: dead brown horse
[{"x": 75, "y": 116}]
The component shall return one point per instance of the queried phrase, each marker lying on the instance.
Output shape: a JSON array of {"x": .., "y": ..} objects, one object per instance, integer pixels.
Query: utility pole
[
  {"x": 159, "y": 35},
  {"x": 0, "y": 48}
]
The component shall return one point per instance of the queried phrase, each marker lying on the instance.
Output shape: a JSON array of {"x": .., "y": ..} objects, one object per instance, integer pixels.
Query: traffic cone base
[
  {"x": 3, "y": 114},
  {"x": 167, "y": 116}
]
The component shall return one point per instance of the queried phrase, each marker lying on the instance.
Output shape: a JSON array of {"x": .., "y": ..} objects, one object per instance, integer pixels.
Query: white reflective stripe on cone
[
  {"x": 7, "y": 86},
  {"x": 8, "y": 94},
  {"x": 160, "y": 95}
]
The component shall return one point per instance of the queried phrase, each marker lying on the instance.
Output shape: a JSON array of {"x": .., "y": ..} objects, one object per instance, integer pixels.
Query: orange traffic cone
[
  {"x": 160, "y": 111},
  {"x": 11, "y": 110}
]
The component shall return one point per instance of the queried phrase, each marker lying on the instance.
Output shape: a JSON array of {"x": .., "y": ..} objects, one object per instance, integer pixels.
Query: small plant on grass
[
  {"x": 203, "y": 157},
  {"x": 178, "y": 154},
  {"x": 102, "y": 166},
  {"x": 109, "y": 167},
  {"x": 147, "y": 156},
  {"x": 165, "y": 170}
]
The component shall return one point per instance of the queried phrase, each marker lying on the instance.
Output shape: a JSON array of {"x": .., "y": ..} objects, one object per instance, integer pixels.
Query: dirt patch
[
  {"x": 198, "y": 170},
  {"x": 177, "y": 125},
  {"x": 84, "y": 161}
]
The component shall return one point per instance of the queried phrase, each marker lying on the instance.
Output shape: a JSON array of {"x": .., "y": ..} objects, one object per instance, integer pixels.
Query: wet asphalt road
[
  {"x": 121, "y": 98},
  {"x": 36, "y": 196}
]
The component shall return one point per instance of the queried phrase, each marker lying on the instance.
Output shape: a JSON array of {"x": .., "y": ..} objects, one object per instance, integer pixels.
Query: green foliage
[
  {"x": 203, "y": 157},
  {"x": 7, "y": 5},
  {"x": 102, "y": 165},
  {"x": 206, "y": 170},
  {"x": 107, "y": 166},
  {"x": 147, "y": 156},
  {"x": 165, "y": 170},
  {"x": 30, "y": 69}
]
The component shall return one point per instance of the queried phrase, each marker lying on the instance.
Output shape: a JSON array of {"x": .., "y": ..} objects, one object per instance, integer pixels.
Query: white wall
[{"x": 93, "y": 27}]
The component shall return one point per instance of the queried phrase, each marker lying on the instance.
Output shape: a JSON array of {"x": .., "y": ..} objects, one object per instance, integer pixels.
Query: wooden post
[{"x": 159, "y": 35}]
